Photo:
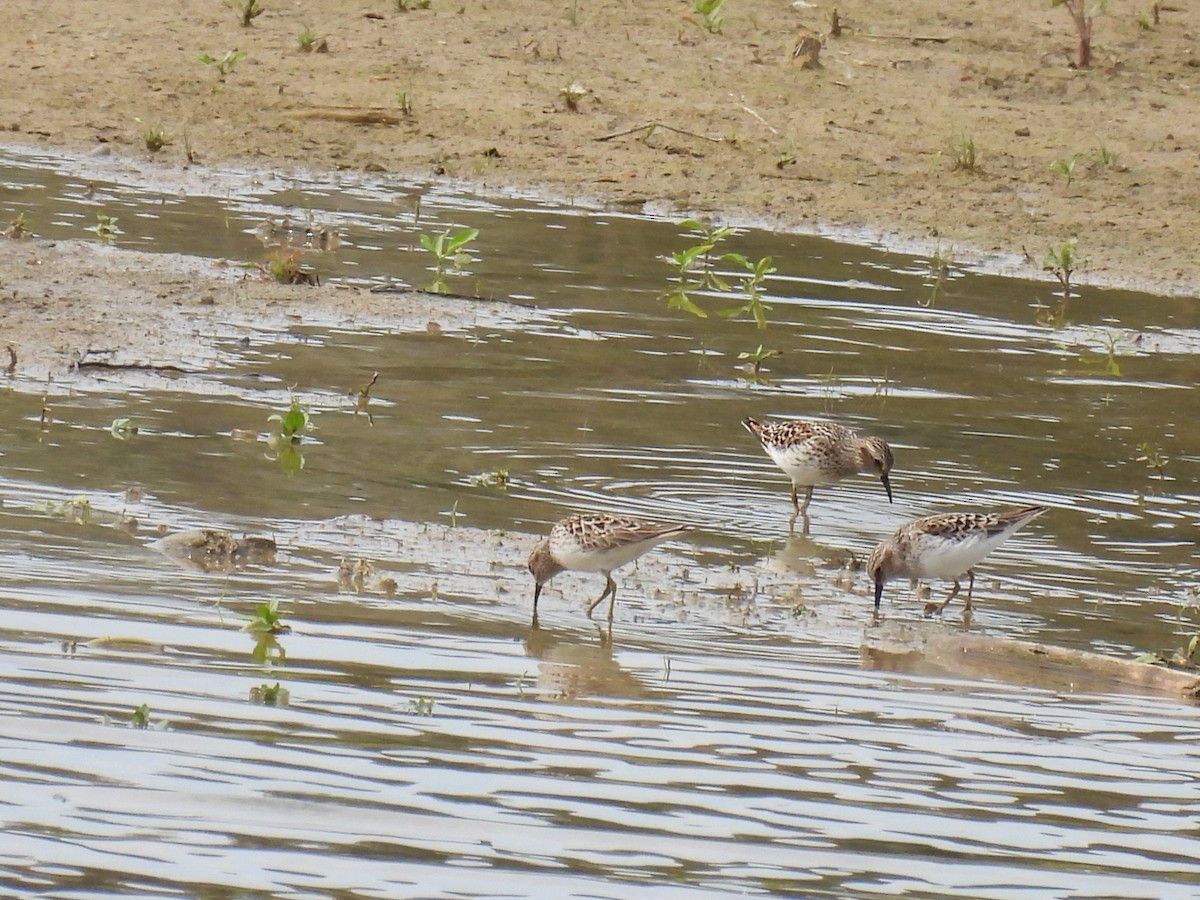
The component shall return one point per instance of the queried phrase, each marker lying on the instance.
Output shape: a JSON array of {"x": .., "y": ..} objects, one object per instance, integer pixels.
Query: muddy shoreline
[{"x": 639, "y": 105}]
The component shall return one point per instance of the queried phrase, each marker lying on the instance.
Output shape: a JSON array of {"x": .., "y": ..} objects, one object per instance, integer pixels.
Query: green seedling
[
  {"x": 449, "y": 253},
  {"x": 154, "y": 137},
  {"x": 1107, "y": 158},
  {"x": 939, "y": 271},
  {"x": 1082, "y": 13},
  {"x": 709, "y": 11},
  {"x": 248, "y": 10},
  {"x": 964, "y": 153},
  {"x": 709, "y": 235},
  {"x": 498, "y": 478},
  {"x": 18, "y": 228},
  {"x": 141, "y": 717},
  {"x": 410, "y": 5},
  {"x": 106, "y": 227},
  {"x": 270, "y": 695},
  {"x": 1066, "y": 167},
  {"x": 223, "y": 66},
  {"x": 123, "y": 428},
  {"x": 1063, "y": 261},
  {"x": 1153, "y": 457},
  {"x": 77, "y": 509},
  {"x": 291, "y": 425},
  {"x": 694, "y": 269},
  {"x": 1186, "y": 656},
  {"x": 751, "y": 287},
  {"x": 573, "y": 94},
  {"x": 308, "y": 40},
  {"x": 421, "y": 706},
  {"x": 266, "y": 620},
  {"x": 757, "y": 357},
  {"x": 285, "y": 268}
]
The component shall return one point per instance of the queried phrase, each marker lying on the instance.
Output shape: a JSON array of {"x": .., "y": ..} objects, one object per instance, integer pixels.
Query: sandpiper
[
  {"x": 944, "y": 546},
  {"x": 812, "y": 453},
  {"x": 595, "y": 543}
]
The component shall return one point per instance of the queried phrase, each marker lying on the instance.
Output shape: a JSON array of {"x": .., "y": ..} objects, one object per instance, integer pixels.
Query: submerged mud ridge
[{"x": 83, "y": 310}]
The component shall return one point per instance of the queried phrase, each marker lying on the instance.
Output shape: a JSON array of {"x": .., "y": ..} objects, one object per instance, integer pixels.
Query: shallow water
[{"x": 717, "y": 742}]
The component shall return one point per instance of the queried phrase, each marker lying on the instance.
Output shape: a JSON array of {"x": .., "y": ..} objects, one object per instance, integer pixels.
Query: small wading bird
[
  {"x": 944, "y": 546},
  {"x": 812, "y": 453},
  {"x": 594, "y": 543}
]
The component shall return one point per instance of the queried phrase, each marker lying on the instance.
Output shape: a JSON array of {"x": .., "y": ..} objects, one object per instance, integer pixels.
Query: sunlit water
[{"x": 433, "y": 745}]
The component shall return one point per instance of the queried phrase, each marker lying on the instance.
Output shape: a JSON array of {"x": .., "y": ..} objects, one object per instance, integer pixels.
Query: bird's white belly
[
  {"x": 943, "y": 558},
  {"x": 802, "y": 466}
]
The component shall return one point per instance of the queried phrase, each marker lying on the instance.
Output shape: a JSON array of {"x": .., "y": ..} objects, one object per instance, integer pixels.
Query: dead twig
[
  {"x": 914, "y": 38},
  {"x": 761, "y": 120},
  {"x": 349, "y": 114},
  {"x": 649, "y": 127}
]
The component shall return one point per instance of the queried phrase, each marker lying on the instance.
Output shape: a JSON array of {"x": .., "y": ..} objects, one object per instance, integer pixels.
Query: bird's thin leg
[
  {"x": 803, "y": 508},
  {"x": 795, "y": 501},
  {"x": 608, "y": 585},
  {"x": 970, "y": 587},
  {"x": 953, "y": 593},
  {"x": 612, "y": 599}
]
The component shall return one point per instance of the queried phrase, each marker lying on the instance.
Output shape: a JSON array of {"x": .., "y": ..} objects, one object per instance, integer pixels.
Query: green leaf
[
  {"x": 680, "y": 300},
  {"x": 463, "y": 237}
]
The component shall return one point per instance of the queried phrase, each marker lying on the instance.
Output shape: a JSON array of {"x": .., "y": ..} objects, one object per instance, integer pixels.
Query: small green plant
[
  {"x": 1153, "y": 457},
  {"x": 285, "y": 268},
  {"x": 709, "y": 11},
  {"x": 141, "y": 717},
  {"x": 756, "y": 272},
  {"x": 573, "y": 94},
  {"x": 18, "y": 228},
  {"x": 266, "y": 620},
  {"x": 1063, "y": 261},
  {"x": 421, "y": 706},
  {"x": 964, "y": 153},
  {"x": 154, "y": 137},
  {"x": 939, "y": 270},
  {"x": 223, "y": 66},
  {"x": 1107, "y": 158},
  {"x": 123, "y": 428},
  {"x": 1082, "y": 13},
  {"x": 291, "y": 425},
  {"x": 307, "y": 40},
  {"x": 106, "y": 227},
  {"x": 409, "y": 5},
  {"x": 1186, "y": 656},
  {"x": 1112, "y": 343},
  {"x": 449, "y": 253},
  {"x": 694, "y": 268},
  {"x": 497, "y": 478},
  {"x": 248, "y": 10},
  {"x": 1066, "y": 167},
  {"x": 404, "y": 102},
  {"x": 757, "y": 357},
  {"x": 270, "y": 695}
]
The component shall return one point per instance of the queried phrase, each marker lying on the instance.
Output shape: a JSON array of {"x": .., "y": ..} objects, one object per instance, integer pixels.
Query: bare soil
[{"x": 861, "y": 144}]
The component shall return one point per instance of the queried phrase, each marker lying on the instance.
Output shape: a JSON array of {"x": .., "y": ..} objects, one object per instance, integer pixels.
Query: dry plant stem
[
  {"x": 652, "y": 125},
  {"x": 1083, "y": 25}
]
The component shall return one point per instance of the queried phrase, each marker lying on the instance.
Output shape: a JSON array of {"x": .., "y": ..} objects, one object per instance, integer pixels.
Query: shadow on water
[{"x": 724, "y": 737}]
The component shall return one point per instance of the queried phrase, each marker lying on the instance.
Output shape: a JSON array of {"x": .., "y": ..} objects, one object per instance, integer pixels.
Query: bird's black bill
[
  {"x": 878, "y": 592},
  {"x": 537, "y": 592},
  {"x": 887, "y": 486}
]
